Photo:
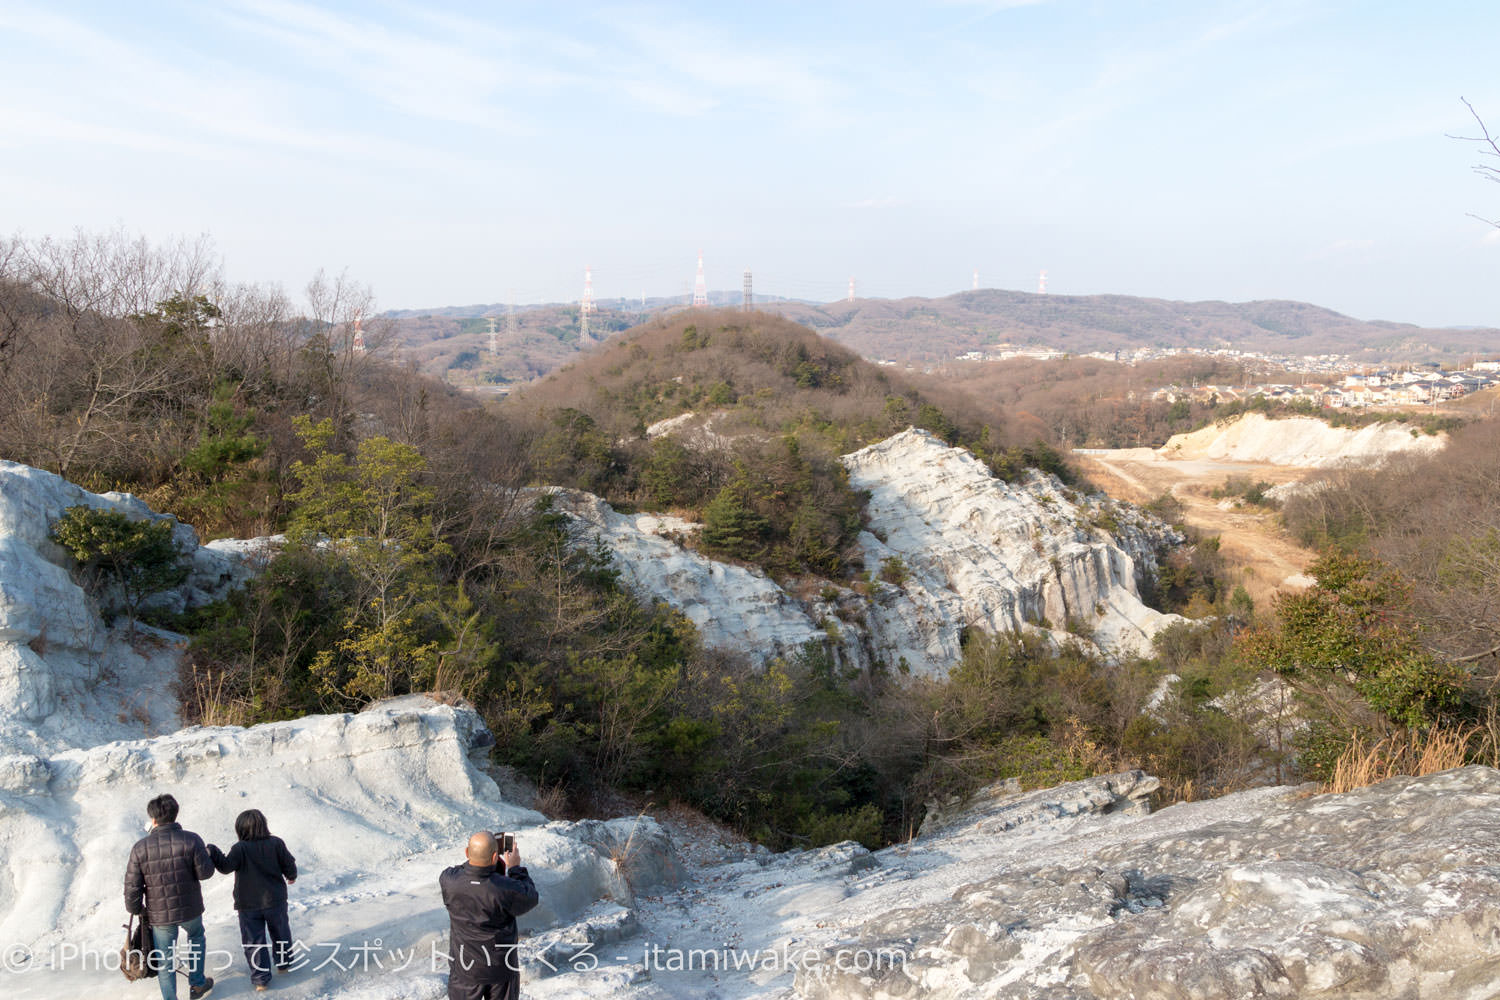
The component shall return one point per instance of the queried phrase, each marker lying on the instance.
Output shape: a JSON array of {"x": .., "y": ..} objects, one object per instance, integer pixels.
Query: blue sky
[{"x": 461, "y": 153}]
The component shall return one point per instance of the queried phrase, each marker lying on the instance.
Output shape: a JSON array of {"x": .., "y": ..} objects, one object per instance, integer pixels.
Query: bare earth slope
[{"x": 1191, "y": 466}]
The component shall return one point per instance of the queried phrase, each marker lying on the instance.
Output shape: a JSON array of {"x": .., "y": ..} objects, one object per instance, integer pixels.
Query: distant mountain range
[
  {"x": 453, "y": 341},
  {"x": 928, "y": 330}
]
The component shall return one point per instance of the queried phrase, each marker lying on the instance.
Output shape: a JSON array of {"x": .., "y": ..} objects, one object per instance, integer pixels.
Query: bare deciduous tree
[{"x": 1489, "y": 149}]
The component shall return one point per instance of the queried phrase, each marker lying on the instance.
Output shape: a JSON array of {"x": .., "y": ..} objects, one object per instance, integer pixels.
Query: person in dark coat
[
  {"x": 161, "y": 880},
  {"x": 262, "y": 868},
  {"x": 483, "y": 897}
]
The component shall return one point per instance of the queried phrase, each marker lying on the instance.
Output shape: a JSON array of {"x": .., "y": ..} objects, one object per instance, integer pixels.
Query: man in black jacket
[
  {"x": 161, "y": 880},
  {"x": 482, "y": 907}
]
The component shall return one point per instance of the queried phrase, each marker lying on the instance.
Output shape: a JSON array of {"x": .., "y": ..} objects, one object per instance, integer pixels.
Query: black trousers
[
  {"x": 256, "y": 926},
  {"x": 462, "y": 989}
]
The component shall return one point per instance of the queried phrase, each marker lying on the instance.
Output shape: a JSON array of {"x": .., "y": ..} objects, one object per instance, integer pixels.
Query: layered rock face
[
  {"x": 1071, "y": 893},
  {"x": 999, "y": 556},
  {"x": 373, "y": 805},
  {"x": 733, "y": 607},
  {"x": 975, "y": 552},
  {"x": 1389, "y": 891}
]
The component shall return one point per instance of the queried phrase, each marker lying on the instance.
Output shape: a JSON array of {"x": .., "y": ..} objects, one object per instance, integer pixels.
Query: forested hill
[
  {"x": 926, "y": 330},
  {"x": 764, "y": 409},
  {"x": 756, "y": 371}
]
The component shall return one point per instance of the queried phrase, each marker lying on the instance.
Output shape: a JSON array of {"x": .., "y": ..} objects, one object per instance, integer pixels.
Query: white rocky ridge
[
  {"x": 373, "y": 805},
  {"x": 1080, "y": 893},
  {"x": 1300, "y": 441},
  {"x": 977, "y": 552}
]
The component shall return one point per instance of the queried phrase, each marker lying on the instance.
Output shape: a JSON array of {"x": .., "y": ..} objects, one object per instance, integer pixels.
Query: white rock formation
[
  {"x": 1072, "y": 893},
  {"x": 978, "y": 552},
  {"x": 1300, "y": 441},
  {"x": 732, "y": 606},
  {"x": 1388, "y": 891},
  {"x": 693, "y": 430},
  {"x": 1077, "y": 893},
  {"x": 65, "y": 679},
  {"x": 373, "y": 804},
  {"x": 985, "y": 553}
]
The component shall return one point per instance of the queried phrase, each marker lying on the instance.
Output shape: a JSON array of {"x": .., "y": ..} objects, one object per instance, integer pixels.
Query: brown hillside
[
  {"x": 757, "y": 372},
  {"x": 935, "y": 330},
  {"x": 452, "y": 342}
]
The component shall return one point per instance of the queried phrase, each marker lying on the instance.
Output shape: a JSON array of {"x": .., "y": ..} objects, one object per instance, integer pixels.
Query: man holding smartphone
[{"x": 484, "y": 896}]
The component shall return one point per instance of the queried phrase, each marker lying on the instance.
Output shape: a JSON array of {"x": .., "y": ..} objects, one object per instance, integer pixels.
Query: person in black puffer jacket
[
  {"x": 484, "y": 897},
  {"x": 263, "y": 868},
  {"x": 161, "y": 880}
]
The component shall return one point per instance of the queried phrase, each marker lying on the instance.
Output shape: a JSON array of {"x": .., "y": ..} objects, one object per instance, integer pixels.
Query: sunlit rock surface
[
  {"x": 1300, "y": 441},
  {"x": 65, "y": 678},
  {"x": 1389, "y": 891},
  {"x": 373, "y": 804},
  {"x": 972, "y": 551}
]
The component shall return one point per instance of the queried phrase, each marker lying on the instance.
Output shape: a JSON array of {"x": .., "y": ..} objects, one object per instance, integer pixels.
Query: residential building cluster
[
  {"x": 1343, "y": 382},
  {"x": 1320, "y": 363},
  {"x": 1423, "y": 387}
]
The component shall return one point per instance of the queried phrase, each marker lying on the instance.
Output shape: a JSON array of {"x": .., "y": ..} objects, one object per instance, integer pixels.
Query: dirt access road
[{"x": 1254, "y": 544}]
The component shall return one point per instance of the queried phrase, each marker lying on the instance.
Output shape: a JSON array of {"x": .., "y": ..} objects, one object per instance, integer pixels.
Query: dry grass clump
[
  {"x": 552, "y": 802},
  {"x": 207, "y": 701},
  {"x": 1411, "y": 753}
]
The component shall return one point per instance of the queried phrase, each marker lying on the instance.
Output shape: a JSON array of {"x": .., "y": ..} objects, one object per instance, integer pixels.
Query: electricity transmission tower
[
  {"x": 586, "y": 307},
  {"x": 700, "y": 287}
]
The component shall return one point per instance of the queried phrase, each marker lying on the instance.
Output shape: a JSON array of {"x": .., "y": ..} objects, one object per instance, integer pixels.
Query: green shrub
[
  {"x": 862, "y": 823},
  {"x": 893, "y": 571},
  {"x": 113, "y": 552}
]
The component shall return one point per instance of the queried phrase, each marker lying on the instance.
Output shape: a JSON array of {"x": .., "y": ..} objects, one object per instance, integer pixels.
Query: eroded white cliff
[
  {"x": 1072, "y": 893},
  {"x": 973, "y": 551}
]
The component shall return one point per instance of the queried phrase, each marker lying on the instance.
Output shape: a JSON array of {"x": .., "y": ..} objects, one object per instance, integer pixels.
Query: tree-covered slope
[{"x": 773, "y": 405}]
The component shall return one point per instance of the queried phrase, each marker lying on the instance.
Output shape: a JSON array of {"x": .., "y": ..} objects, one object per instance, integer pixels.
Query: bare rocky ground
[
  {"x": 1075, "y": 893},
  {"x": 1190, "y": 467}
]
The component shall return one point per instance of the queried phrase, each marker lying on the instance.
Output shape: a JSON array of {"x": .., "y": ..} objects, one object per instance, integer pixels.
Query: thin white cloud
[
  {"x": 417, "y": 74},
  {"x": 456, "y": 69},
  {"x": 995, "y": 6},
  {"x": 115, "y": 93},
  {"x": 712, "y": 68},
  {"x": 666, "y": 99},
  {"x": 983, "y": 11}
]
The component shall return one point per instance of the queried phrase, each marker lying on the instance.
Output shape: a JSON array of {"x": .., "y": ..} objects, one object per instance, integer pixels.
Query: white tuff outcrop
[
  {"x": 977, "y": 552},
  {"x": 65, "y": 679},
  {"x": 1300, "y": 441},
  {"x": 373, "y": 804}
]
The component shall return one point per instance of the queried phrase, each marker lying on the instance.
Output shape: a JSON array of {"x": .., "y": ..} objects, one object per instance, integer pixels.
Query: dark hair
[
  {"x": 162, "y": 810},
  {"x": 251, "y": 825}
]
